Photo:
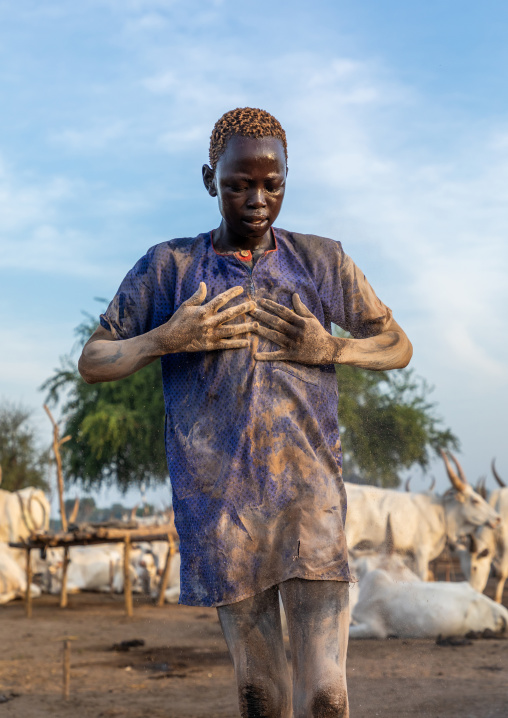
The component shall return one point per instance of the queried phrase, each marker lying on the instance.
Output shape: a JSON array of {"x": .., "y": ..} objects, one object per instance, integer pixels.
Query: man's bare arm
[
  {"x": 303, "y": 339},
  {"x": 193, "y": 327}
]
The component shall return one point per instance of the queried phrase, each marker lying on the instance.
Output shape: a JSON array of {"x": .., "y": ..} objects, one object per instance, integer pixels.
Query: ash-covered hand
[
  {"x": 299, "y": 334},
  {"x": 194, "y": 327},
  {"x": 197, "y": 327}
]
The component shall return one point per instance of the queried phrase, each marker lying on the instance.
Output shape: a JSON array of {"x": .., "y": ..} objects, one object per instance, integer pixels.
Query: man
[{"x": 251, "y": 415}]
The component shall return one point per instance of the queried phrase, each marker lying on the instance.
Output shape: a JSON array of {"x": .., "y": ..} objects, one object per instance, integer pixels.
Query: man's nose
[{"x": 257, "y": 198}]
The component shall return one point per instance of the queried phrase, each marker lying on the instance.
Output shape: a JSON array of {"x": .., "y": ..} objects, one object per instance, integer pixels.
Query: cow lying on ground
[
  {"x": 152, "y": 565},
  {"x": 91, "y": 568},
  {"x": 420, "y": 609},
  {"x": 100, "y": 568},
  {"x": 12, "y": 577},
  {"x": 393, "y": 601},
  {"x": 422, "y": 523}
]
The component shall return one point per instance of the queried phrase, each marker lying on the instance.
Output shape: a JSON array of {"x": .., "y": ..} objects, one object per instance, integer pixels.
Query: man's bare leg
[
  {"x": 317, "y": 614},
  {"x": 253, "y": 633}
]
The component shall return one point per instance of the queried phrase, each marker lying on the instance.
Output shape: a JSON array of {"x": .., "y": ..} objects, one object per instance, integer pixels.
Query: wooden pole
[
  {"x": 66, "y": 669},
  {"x": 57, "y": 443},
  {"x": 127, "y": 586},
  {"x": 111, "y": 574},
  {"x": 28, "y": 595},
  {"x": 74, "y": 514},
  {"x": 63, "y": 591},
  {"x": 165, "y": 574}
]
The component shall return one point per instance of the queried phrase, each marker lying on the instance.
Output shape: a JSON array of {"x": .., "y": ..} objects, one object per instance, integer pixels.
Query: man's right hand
[
  {"x": 193, "y": 327},
  {"x": 197, "y": 327}
]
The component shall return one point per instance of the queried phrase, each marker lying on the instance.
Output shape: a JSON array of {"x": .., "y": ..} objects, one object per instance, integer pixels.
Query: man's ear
[{"x": 209, "y": 180}]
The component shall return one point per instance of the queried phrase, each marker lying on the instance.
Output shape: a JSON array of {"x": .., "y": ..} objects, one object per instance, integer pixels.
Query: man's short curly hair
[{"x": 247, "y": 122}]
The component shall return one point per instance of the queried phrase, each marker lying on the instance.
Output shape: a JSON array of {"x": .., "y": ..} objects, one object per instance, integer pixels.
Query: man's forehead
[{"x": 241, "y": 149}]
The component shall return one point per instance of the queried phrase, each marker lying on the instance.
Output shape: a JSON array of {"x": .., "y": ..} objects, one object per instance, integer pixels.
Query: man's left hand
[{"x": 299, "y": 334}]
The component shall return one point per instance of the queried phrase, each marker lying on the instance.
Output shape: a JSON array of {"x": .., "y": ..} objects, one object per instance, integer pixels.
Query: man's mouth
[{"x": 255, "y": 220}]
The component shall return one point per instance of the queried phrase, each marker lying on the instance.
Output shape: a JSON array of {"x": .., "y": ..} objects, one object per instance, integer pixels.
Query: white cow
[
  {"x": 23, "y": 512},
  {"x": 382, "y": 559},
  {"x": 92, "y": 568},
  {"x": 476, "y": 553},
  {"x": 488, "y": 546},
  {"x": 12, "y": 577},
  {"x": 420, "y": 609},
  {"x": 172, "y": 593},
  {"x": 393, "y": 601},
  {"x": 422, "y": 523}
]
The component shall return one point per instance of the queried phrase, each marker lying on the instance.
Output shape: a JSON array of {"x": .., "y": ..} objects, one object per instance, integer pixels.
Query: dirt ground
[{"x": 183, "y": 670}]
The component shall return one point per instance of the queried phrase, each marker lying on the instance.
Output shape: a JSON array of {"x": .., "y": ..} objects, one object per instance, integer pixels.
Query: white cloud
[
  {"x": 96, "y": 137},
  {"x": 43, "y": 224},
  {"x": 372, "y": 161},
  {"x": 439, "y": 220}
]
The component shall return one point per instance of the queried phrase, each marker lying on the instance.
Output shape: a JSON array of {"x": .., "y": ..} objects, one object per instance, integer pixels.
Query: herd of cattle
[
  {"x": 392, "y": 537},
  {"x": 91, "y": 568}
]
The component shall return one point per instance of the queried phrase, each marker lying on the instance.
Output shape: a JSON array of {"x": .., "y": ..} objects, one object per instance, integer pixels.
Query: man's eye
[
  {"x": 237, "y": 188},
  {"x": 273, "y": 187}
]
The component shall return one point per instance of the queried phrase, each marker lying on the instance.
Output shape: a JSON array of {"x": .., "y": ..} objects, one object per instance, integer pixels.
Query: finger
[
  {"x": 198, "y": 297},
  {"x": 227, "y": 314},
  {"x": 233, "y": 344},
  {"x": 232, "y": 329},
  {"x": 279, "y": 355},
  {"x": 221, "y": 299},
  {"x": 281, "y": 311},
  {"x": 300, "y": 307},
  {"x": 281, "y": 339},
  {"x": 272, "y": 321}
]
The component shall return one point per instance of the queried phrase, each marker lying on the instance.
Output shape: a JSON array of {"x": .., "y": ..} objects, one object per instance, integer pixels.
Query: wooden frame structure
[{"x": 92, "y": 535}]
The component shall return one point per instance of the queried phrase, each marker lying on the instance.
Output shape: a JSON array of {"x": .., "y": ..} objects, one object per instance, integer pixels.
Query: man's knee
[
  {"x": 259, "y": 700},
  {"x": 330, "y": 703}
]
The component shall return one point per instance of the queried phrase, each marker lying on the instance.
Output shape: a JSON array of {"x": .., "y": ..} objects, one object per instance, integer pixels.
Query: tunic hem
[{"x": 250, "y": 594}]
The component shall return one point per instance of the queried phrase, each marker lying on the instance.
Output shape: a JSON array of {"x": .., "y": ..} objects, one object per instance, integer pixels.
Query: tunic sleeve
[
  {"x": 363, "y": 313},
  {"x": 131, "y": 312}
]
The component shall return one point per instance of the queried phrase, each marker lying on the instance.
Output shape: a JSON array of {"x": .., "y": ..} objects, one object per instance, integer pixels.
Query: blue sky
[{"x": 397, "y": 125}]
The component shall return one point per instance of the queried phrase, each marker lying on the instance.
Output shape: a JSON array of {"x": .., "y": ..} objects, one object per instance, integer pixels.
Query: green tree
[
  {"x": 23, "y": 463},
  {"x": 117, "y": 428},
  {"x": 387, "y": 424}
]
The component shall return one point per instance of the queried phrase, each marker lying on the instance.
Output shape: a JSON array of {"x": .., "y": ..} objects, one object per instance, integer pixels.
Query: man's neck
[{"x": 226, "y": 242}]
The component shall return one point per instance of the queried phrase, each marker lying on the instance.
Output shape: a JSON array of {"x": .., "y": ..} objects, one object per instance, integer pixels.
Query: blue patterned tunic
[{"x": 253, "y": 447}]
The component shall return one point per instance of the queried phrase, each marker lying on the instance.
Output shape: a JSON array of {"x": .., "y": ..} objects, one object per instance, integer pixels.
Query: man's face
[{"x": 249, "y": 182}]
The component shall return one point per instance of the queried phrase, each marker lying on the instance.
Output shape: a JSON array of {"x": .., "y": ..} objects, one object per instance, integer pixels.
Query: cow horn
[
  {"x": 389, "y": 544},
  {"x": 44, "y": 512},
  {"x": 75, "y": 509},
  {"x": 480, "y": 487},
  {"x": 133, "y": 512},
  {"x": 459, "y": 469},
  {"x": 406, "y": 485},
  {"x": 433, "y": 484},
  {"x": 456, "y": 482},
  {"x": 473, "y": 545},
  {"x": 32, "y": 497},
  {"x": 496, "y": 475},
  {"x": 23, "y": 513}
]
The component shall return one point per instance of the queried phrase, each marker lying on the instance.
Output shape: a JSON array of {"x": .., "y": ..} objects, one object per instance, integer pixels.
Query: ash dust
[{"x": 184, "y": 670}]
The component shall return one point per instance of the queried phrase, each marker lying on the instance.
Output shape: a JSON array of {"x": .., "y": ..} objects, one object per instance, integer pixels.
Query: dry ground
[{"x": 183, "y": 670}]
